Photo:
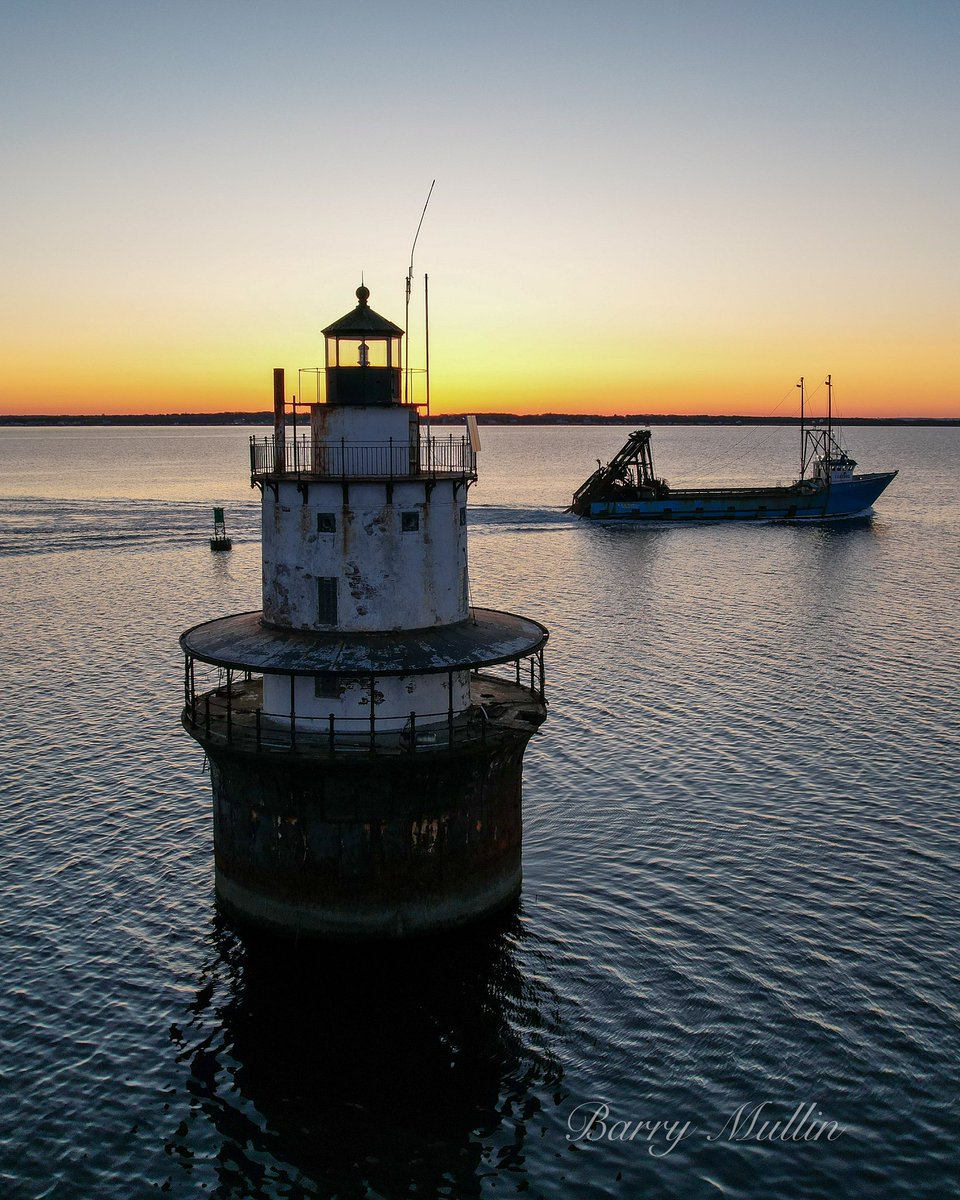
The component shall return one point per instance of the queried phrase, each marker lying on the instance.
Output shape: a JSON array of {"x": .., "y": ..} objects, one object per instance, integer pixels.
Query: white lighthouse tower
[{"x": 367, "y": 729}]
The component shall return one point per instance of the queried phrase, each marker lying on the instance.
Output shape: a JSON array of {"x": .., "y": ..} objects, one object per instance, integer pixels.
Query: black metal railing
[
  {"x": 214, "y": 718},
  {"x": 339, "y": 459},
  {"x": 232, "y": 714}
]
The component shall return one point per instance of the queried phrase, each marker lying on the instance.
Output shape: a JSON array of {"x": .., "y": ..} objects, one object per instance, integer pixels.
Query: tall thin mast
[
  {"x": 829, "y": 418},
  {"x": 426, "y": 325},
  {"x": 803, "y": 448},
  {"x": 406, "y": 322}
]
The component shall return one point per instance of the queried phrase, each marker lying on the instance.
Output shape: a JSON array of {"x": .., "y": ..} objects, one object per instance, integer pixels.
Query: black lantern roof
[{"x": 363, "y": 321}]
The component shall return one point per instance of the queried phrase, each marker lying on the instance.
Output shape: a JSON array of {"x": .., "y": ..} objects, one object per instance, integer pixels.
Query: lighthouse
[{"x": 365, "y": 728}]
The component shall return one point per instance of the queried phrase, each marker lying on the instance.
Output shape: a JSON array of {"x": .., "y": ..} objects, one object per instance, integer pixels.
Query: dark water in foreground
[{"x": 741, "y": 859}]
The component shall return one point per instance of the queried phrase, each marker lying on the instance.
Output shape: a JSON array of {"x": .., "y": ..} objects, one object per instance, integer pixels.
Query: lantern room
[{"x": 363, "y": 357}]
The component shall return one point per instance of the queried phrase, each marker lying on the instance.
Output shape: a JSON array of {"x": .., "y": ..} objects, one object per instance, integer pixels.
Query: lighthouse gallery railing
[
  {"x": 451, "y": 457},
  {"x": 232, "y": 714}
]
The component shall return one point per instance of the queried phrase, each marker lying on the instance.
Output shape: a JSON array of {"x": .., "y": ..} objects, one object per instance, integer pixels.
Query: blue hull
[{"x": 847, "y": 499}]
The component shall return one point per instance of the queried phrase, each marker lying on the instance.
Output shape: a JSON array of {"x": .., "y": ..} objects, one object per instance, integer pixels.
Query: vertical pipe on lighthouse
[{"x": 279, "y": 418}]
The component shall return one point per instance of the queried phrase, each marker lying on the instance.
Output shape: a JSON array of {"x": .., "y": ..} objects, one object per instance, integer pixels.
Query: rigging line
[
  {"x": 837, "y": 420},
  {"x": 786, "y": 394},
  {"x": 754, "y": 432},
  {"x": 773, "y": 429},
  {"x": 810, "y": 396}
]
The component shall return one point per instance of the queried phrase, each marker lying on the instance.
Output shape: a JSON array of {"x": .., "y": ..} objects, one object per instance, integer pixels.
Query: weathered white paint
[
  {"x": 364, "y": 424},
  {"x": 394, "y": 700},
  {"x": 387, "y": 579}
]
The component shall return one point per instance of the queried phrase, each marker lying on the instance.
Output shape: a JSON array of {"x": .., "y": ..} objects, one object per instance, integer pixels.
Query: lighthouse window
[
  {"x": 409, "y": 522},
  {"x": 357, "y": 352},
  {"x": 463, "y": 515},
  {"x": 327, "y": 600},
  {"x": 326, "y": 687},
  {"x": 326, "y": 522}
]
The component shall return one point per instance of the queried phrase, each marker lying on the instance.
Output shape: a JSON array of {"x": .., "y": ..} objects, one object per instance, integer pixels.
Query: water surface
[{"x": 741, "y": 852}]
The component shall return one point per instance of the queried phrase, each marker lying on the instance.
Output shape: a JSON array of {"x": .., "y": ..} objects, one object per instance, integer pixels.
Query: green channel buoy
[{"x": 220, "y": 541}]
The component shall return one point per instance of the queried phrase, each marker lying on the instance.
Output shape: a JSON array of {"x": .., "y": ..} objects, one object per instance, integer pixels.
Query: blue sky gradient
[{"x": 680, "y": 203}]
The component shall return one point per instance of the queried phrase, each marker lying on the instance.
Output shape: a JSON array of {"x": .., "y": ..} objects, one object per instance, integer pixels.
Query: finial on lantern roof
[{"x": 363, "y": 321}]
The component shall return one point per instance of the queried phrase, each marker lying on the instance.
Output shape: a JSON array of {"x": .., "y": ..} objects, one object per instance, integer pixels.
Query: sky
[{"x": 643, "y": 207}]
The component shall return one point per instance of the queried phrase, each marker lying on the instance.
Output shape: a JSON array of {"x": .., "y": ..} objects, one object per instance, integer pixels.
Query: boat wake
[{"x": 39, "y": 525}]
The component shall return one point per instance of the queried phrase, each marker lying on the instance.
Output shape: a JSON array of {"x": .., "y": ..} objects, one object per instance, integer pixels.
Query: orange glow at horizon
[
  {"x": 660, "y": 215},
  {"x": 168, "y": 392},
  {"x": 491, "y": 371}
]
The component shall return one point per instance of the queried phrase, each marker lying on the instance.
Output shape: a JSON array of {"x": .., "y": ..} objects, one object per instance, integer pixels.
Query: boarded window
[
  {"x": 326, "y": 522},
  {"x": 327, "y": 600},
  {"x": 410, "y": 522},
  {"x": 326, "y": 687}
]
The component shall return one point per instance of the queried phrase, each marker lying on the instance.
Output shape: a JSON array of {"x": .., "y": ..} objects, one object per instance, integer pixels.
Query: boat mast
[
  {"x": 829, "y": 416},
  {"x": 803, "y": 456}
]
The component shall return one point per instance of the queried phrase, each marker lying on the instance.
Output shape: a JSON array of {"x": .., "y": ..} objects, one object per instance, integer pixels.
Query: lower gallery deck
[{"x": 233, "y": 717}]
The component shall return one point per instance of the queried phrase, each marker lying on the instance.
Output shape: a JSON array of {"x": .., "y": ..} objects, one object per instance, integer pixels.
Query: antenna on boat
[
  {"x": 406, "y": 323},
  {"x": 803, "y": 456}
]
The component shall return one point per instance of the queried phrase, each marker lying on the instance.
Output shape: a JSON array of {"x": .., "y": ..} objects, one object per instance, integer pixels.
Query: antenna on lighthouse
[{"x": 406, "y": 323}]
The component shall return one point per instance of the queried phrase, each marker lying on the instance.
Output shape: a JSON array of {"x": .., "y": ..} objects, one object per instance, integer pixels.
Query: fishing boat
[{"x": 628, "y": 489}]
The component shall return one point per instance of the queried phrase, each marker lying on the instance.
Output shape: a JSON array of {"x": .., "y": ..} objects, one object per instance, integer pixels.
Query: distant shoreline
[{"x": 266, "y": 418}]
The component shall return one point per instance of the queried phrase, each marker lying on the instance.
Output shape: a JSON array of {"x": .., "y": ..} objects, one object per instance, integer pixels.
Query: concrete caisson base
[{"x": 368, "y": 846}]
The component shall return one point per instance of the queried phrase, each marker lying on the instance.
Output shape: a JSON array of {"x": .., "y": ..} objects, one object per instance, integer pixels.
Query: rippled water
[{"x": 741, "y": 855}]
